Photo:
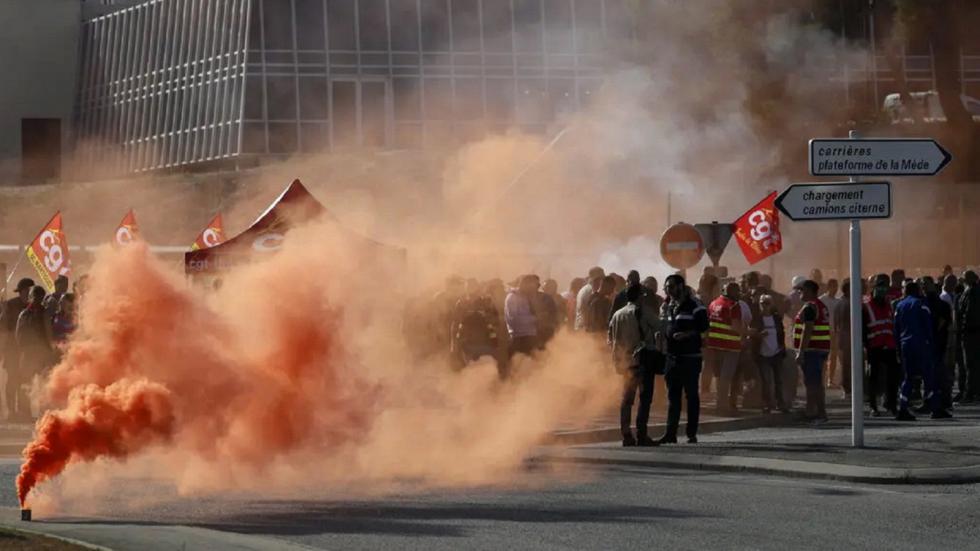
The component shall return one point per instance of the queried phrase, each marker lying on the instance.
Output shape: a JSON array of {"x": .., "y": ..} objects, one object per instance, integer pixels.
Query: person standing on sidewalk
[
  {"x": 724, "y": 344},
  {"x": 11, "y": 351},
  {"x": 632, "y": 340},
  {"x": 840, "y": 325},
  {"x": 685, "y": 319},
  {"x": 884, "y": 373},
  {"x": 811, "y": 338},
  {"x": 770, "y": 350},
  {"x": 830, "y": 300},
  {"x": 968, "y": 319},
  {"x": 521, "y": 320},
  {"x": 942, "y": 320},
  {"x": 913, "y": 326},
  {"x": 585, "y": 294}
]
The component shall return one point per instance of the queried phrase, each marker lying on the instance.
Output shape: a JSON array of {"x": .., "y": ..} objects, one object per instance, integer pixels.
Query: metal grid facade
[
  {"x": 161, "y": 84},
  {"x": 407, "y": 73}
]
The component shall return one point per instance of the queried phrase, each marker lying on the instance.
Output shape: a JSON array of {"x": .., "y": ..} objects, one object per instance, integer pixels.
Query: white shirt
[
  {"x": 583, "y": 294},
  {"x": 769, "y": 347}
]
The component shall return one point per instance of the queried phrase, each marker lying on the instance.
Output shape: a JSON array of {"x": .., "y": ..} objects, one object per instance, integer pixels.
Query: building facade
[
  {"x": 39, "y": 68},
  {"x": 168, "y": 83},
  {"x": 140, "y": 85}
]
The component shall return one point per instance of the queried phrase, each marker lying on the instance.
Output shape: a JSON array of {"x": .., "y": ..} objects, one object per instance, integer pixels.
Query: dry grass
[{"x": 12, "y": 540}]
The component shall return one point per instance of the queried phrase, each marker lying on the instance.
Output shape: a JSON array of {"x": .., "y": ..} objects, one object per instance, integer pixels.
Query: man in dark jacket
[
  {"x": 8, "y": 344},
  {"x": 942, "y": 320},
  {"x": 685, "y": 320},
  {"x": 913, "y": 327},
  {"x": 968, "y": 324},
  {"x": 620, "y": 300}
]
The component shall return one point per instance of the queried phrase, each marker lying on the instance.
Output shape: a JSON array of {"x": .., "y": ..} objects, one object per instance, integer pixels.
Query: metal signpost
[{"x": 855, "y": 200}]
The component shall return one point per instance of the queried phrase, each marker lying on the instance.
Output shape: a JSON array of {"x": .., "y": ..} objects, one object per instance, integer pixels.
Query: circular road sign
[{"x": 681, "y": 246}]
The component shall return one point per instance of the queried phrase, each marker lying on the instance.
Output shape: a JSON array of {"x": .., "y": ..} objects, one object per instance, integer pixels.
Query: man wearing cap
[{"x": 8, "y": 347}]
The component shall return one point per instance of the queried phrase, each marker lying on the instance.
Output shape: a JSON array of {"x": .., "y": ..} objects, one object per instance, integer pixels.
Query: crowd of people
[
  {"x": 34, "y": 328},
  {"x": 734, "y": 340}
]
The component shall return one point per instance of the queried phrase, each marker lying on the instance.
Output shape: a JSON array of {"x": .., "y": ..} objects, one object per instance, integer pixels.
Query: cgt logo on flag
[
  {"x": 212, "y": 235},
  {"x": 48, "y": 252},
  {"x": 757, "y": 231},
  {"x": 128, "y": 231}
]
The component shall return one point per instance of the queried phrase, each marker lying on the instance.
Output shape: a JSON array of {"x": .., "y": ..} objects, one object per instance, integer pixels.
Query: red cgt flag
[
  {"x": 48, "y": 252},
  {"x": 212, "y": 235},
  {"x": 128, "y": 231},
  {"x": 757, "y": 231}
]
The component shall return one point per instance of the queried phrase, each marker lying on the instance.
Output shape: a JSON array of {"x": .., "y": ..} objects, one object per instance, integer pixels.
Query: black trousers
[
  {"x": 884, "y": 376},
  {"x": 771, "y": 380},
  {"x": 960, "y": 365},
  {"x": 636, "y": 378},
  {"x": 945, "y": 375},
  {"x": 683, "y": 375},
  {"x": 971, "y": 361}
]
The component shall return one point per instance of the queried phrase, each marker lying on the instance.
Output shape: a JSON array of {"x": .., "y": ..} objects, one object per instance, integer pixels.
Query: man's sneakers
[
  {"x": 667, "y": 440},
  {"x": 942, "y": 414},
  {"x": 692, "y": 439},
  {"x": 904, "y": 415},
  {"x": 629, "y": 441}
]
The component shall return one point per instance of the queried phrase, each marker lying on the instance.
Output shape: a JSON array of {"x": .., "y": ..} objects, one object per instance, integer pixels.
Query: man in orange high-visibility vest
[{"x": 724, "y": 343}]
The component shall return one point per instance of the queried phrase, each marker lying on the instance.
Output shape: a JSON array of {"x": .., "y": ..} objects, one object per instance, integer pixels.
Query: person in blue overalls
[{"x": 913, "y": 327}]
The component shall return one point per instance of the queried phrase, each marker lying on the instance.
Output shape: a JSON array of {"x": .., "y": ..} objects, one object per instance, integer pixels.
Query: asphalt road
[{"x": 598, "y": 508}]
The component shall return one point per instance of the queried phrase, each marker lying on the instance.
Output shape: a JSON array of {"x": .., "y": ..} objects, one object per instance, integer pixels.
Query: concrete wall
[{"x": 38, "y": 70}]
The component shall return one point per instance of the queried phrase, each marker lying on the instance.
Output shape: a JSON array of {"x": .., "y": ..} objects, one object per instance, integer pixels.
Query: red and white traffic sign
[{"x": 681, "y": 246}]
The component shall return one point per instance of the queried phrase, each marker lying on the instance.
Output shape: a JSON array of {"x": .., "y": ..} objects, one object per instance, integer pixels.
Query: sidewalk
[
  {"x": 606, "y": 428},
  {"x": 923, "y": 452}
]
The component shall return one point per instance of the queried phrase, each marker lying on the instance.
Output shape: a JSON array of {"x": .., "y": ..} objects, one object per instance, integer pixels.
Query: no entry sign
[{"x": 681, "y": 246}]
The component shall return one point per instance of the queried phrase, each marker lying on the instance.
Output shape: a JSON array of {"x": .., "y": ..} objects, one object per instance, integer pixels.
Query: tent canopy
[{"x": 294, "y": 207}]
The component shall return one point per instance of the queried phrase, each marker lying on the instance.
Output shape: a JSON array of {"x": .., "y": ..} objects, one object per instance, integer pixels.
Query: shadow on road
[{"x": 296, "y": 518}]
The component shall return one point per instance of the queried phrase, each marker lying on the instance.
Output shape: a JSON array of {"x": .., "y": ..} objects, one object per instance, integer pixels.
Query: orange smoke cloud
[
  {"x": 235, "y": 395},
  {"x": 115, "y": 421},
  {"x": 294, "y": 375}
]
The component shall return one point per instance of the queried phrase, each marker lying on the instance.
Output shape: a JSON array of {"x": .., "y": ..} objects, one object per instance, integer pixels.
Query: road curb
[
  {"x": 763, "y": 465},
  {"x": 612, "y": 434}
]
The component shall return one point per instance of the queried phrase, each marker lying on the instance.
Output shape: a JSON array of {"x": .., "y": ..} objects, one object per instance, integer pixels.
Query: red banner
[
  {"x": 48, "y": 252},
  {"x": 128, "y": 231},
  {"x": 757, "y": 231},
  {"x": 212, "y": 235}
]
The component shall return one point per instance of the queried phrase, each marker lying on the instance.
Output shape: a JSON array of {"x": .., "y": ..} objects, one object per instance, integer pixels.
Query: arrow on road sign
[
  {"x": 877, "y": 157},
  {"x": 836, "y": 201}
]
